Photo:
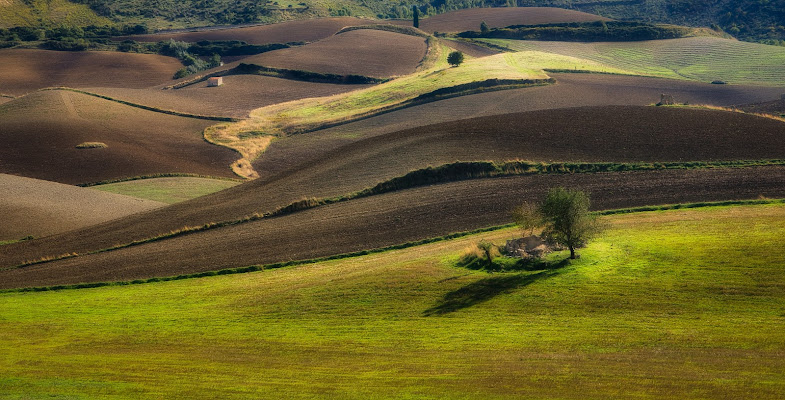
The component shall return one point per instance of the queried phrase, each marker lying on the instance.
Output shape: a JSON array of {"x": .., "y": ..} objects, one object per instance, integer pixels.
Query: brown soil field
[
  {"x": 292, "y": 31},
  {"x": 563, "y": 135},
  {"x": 470, "y": 19},
  {"x": 366, "y": 52},
  {"x": 26, "y": 70},
  {"x": 776, "y": 107},
  {"x": 235, "y": 98},
  {"x": 40, "y": 208},
  {"x": 470, "y": 48},
  {"x": 40, "y": 131},
  {"x": 571, "y": 90},
  {"x": 389, "y": 219}
]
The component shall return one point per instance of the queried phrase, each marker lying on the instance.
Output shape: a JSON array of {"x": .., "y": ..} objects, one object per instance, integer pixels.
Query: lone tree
[
  {"x": 455, "y": 58},
  {"x": 484, "y": 27},
  {"x": 416, "y": 13},
  {"x": 567, "y": 220}
]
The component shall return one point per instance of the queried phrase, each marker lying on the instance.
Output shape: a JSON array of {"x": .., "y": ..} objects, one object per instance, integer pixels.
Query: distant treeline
[{"x": 599, "y": 31}]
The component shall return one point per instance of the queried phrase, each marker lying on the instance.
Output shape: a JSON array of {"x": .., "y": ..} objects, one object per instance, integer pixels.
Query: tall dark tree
[{"x": 416, "y": 18}]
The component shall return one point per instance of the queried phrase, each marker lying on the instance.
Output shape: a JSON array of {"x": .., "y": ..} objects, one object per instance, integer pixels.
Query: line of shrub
[
  {"x": 599, "y": 31},
  {"x": 478, "y": 86},
  {"x": 405, "y": 30},
  {"x": 308, "y": 76}
]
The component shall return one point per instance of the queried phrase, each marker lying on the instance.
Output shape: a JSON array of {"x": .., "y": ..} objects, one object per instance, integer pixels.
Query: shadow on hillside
[{"x": 488, "y": 288}]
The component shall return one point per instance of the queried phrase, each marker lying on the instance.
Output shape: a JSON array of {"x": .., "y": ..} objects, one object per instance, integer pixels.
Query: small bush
[{"x": 91, "y": 145}]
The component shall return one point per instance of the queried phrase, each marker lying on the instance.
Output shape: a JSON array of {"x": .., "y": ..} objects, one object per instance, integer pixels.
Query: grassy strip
[
  {"x": 148, "y": 108},
  {"x": 405, "y": 30},
  {"x": 196, "y": 79},
  {"x": 453, "y": 172},
  {"x": 153, "y": 176},
  {"x": 307, "y": 76},
  {"x": 262, "y": 267}
]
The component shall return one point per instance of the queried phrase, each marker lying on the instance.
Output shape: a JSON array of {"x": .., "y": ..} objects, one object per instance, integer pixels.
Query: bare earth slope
[
  {"x": 366, "y": 52},
  {"x": 389, "y": 219},
  {"x": 235, "y": 98},
  {"x": 564, "y": 135},
  {"x": 292, "y": 31},
  {"x": 25, "y": 70},
  {"x": 571, "y": 90},
  {"x": 470, "y": 19},
  {"x": 40, "y": 208},
  {"x": 40, "y": 133}
]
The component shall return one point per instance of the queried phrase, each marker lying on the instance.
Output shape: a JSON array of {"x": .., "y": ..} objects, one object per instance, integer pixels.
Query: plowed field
[
  {"x": 40, "y": 133},
  {"x": 40, "y": 208},
  {"x": 389, "y": 219},
  {"x": 26, "y": 70},
  {"x": 571, "y": 90},
  {"x": 565, "y": 135},
  {"x": 292, "y": 31},
  {"x": 470, "y": 19},
  {"x": 366, "y": 52},
  {"x": 235, "y": 98}
]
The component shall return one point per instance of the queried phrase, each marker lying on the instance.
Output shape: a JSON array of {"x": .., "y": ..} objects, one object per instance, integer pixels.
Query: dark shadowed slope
[
  {"x": 40, "y": 133},
  {"x": 470, "y": 19},
  {"x": 25, "y": 70}
]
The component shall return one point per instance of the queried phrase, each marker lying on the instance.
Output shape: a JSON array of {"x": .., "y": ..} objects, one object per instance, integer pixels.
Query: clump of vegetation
[
  {"x": 91, "y": 145},
  {"x": 566, "y": 219},
  {"x": 455, "y": 58}
]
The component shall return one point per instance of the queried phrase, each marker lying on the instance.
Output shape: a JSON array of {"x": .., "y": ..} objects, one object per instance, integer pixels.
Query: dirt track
[
  {"x": 40, "y": 208},
  {"x": 39, "y": 133},
  {"x": 368, "y": 52},
  {"x": 390, "y": 219},
  {"x": 26, "y": 70}
]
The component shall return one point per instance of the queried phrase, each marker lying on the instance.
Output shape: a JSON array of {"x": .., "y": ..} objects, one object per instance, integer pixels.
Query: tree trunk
[{"x": 572, "y": 252}]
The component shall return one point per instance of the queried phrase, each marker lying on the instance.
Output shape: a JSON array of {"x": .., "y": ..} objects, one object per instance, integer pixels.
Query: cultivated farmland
[
  {"x": 31, "y": 207},
  {"x": 26, "y": 70},
  {"x": 368, "y": 52},
  {"x": 41, "y": 131},
  {"x": 470, "y": 19}
]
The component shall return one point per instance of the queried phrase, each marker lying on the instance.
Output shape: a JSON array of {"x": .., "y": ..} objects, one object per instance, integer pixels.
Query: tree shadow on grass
[{"x": 488, "y": 288}]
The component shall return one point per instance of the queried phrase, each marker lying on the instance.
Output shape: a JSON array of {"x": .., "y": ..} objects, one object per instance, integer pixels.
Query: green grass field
[
  {"x": 703, "y": 59},
  {"x": 667, "y": 304},
  {"x": 168, "y": 190}
]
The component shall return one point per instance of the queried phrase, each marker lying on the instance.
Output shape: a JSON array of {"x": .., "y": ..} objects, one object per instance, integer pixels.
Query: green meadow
[
  {"x": 665, "y": 304},
  {"x": 168, "y": 190},
  {"x": 704, "y": 59}
]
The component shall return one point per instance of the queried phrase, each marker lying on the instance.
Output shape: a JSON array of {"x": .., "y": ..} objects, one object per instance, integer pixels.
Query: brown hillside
[
  {"x": 40, "y": 208},
  {"x": 571, "y": 90},
  {"x": 236, "y": 98},
  {"x": 25, "y": 70},
  {"x": 470, "y": 19},
  {"x": 561, "y": 135},
  {"x": 390, "y": 219},
  {"x": 291, "y": 31},
  {"x": 362, "y": 52},
  {"x": 39, "y": 133}
]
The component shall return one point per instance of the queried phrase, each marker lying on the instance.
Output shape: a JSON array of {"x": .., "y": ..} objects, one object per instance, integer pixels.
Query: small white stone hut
[{"x": 215, "y": 81}]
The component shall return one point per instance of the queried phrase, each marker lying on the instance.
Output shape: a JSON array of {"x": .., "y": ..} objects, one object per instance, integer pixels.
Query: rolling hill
[{"x": 41, "y": 132}]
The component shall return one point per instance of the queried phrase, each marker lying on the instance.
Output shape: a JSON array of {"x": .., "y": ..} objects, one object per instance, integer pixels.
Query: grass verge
[{"x": 168, "y": 190}]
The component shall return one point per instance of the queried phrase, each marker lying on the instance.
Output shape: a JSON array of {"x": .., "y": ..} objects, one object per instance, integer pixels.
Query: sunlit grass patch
[{"x": 168, "y": 190}]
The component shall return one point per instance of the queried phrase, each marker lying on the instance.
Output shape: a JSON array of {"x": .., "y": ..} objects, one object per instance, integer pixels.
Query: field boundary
[
  {"x": 147, "y": 108},
  {"x": 453, "y": 172},
  {"x": 262, "y": 267},
  {"x": 404, "y": 30}
]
